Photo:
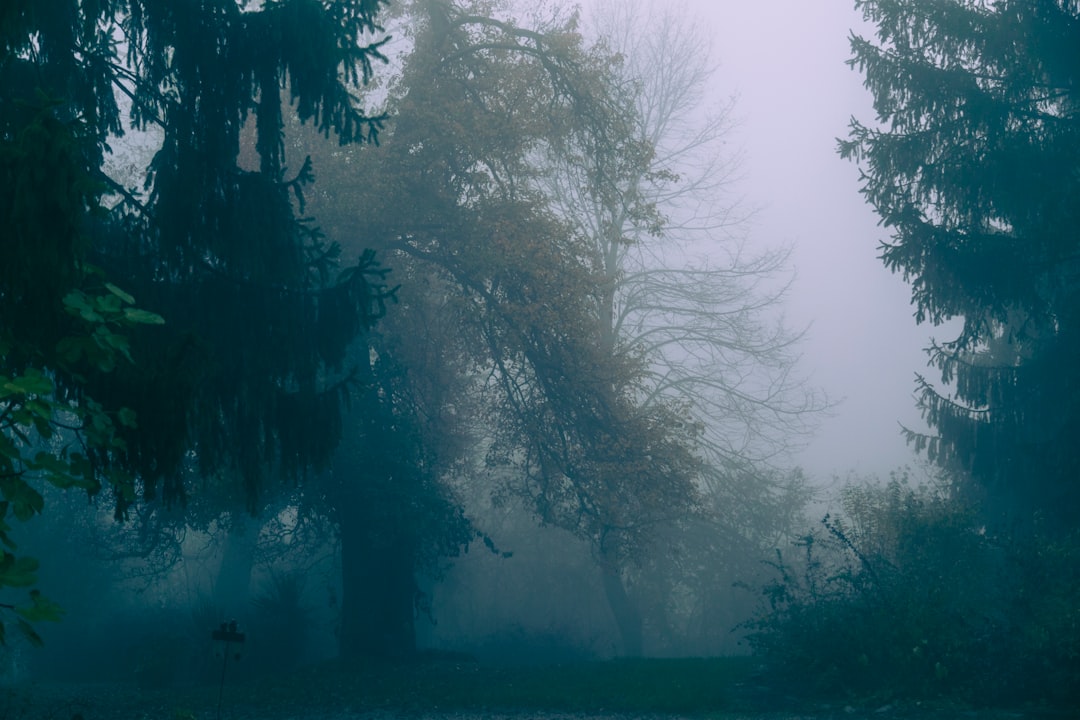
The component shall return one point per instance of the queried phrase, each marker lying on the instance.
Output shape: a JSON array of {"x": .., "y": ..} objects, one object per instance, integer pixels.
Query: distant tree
[
  {"x": 682, "y": 285},
  {"x": 677, "y": 287},
  {"x": 478, "y": 97},
  {"x": 248, "y": 373},
  {"x": 588, "y": 459},
  {"x": 972, "y": 166}
]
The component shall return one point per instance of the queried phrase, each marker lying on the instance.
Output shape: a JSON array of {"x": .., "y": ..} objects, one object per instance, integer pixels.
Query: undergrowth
[{"x": 906, "y": 595}]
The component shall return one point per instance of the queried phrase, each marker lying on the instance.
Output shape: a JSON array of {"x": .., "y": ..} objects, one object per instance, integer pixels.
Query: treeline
[
  {"x": 967, "y": 586},
  {"x": 377, "y": 284},
  {"x": 372, "y": 329}
]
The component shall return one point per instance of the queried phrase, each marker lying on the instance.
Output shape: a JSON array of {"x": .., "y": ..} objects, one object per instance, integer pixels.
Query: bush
[{"x": 906, "y": 595}]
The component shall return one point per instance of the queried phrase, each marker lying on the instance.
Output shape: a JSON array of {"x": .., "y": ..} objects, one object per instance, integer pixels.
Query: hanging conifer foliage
[
  {"x": 248, "y": 371},
  {"x": 973, "y": 168}
]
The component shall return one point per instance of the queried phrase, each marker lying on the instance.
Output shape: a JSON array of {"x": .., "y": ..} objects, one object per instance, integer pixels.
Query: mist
[{"x": 465, "y": 356}]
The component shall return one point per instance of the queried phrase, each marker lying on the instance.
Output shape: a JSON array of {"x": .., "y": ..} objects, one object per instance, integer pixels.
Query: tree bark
[
  {"x": 378, "y": 587},
  {"x": 626, "y": 613}
]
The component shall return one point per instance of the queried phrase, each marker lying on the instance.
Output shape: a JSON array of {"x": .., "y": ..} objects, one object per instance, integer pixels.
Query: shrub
[{"x": 904, "y": 594}]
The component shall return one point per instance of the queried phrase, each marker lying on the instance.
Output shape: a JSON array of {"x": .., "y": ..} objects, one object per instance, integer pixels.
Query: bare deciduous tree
[{"x": 681, "y": 289}]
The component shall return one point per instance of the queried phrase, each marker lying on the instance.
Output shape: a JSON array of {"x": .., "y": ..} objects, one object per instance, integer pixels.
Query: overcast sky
[{"x": 785, "y": 61}]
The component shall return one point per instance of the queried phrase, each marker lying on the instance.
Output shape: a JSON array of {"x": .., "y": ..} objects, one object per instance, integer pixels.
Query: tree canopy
[
  {"x": 247, "y": 371},
  {"x": 972, "y": 166},
  {"x": 514, "y": 355},
  {"x": 494, "y": 117}
]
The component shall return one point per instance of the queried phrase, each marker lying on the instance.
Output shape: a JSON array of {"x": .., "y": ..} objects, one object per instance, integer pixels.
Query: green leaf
[
  {"x": 59, "y": 471},
  {"x": 76, "y": 302},
  {"x": 48, "y": 461},
  {"x": 29, "y": 633},
  {"x": 127, "y": 418},
  {"x": 5, "y": 530},
  {"x": 21, "y": 416},
  {"x": 43, "y": 427},
  {"x": 90, "y": 315},
  {"x": 143, "y": 317},
  {"x": 120, "y": 293},
  {"x": 41, "y": 609},
  {"x": 17, "y": 572},
  {"x": 25, "y": 500},
  {"x": 32, "y": 382},
  {"x": 40, "y": 408},
  {"x": 108, "y": 305},
  {"x": 117, "y": 342}
]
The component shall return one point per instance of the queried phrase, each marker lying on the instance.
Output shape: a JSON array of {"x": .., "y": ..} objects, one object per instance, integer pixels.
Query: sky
[{"x": 785, "y": 62}]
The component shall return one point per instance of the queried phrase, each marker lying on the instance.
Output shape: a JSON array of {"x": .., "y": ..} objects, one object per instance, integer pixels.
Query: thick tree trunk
[
  {"x": 378, "y": 590},
  {"x": 626, "y": 613},
  {"x": 378, "y": 551}
]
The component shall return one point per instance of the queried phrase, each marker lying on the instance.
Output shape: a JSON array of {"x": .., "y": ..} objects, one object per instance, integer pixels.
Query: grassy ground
[
  {"x": 720, "y": 688},
  {"x": 641, "y": 687},
  {"x": 685, "y": 687}
]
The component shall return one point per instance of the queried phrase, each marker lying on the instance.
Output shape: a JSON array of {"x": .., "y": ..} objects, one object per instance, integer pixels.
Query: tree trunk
[
  {"x": 378, "y": 549},
  {"x": 626, "y": 613},
  {"x": 378, "y": 588}
]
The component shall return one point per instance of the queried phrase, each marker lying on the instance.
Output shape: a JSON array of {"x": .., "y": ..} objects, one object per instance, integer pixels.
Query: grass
[
  {"x": 703, "y": 688},
  {"x": 653, "y": 686}
]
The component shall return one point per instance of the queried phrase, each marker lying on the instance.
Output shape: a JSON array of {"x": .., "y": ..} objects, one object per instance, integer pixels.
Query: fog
[
  {"x": 785, "y": 62},
  {"x": 496, "y": 360},
  {"x": 782, "y": 66}
]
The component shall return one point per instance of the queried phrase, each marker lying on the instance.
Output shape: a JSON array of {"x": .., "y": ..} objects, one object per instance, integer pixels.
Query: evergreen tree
[
  {"x": 973, "y": 167},
  {"x": 59, "y": 318},
  {"x": 249, "y": 368},
  {"x": 259, "y": 319}
]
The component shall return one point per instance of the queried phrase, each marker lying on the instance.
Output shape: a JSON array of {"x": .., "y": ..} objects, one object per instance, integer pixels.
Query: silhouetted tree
[
  {"x": 60, "y": 319},
  {"x": 259, "y": 318},
  {"x": 972, "y": 166},
  {"x": 480, "y": 98},
  {"x": 678, "y": 285},
  {"x": 248, "y": 373}
]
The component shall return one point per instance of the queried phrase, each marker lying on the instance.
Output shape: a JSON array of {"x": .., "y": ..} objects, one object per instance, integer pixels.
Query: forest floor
[{"x": 695, "y": 690}]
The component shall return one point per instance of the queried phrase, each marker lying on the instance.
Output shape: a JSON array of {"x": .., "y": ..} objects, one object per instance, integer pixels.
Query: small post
[{"x": 224, "y": 638}]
